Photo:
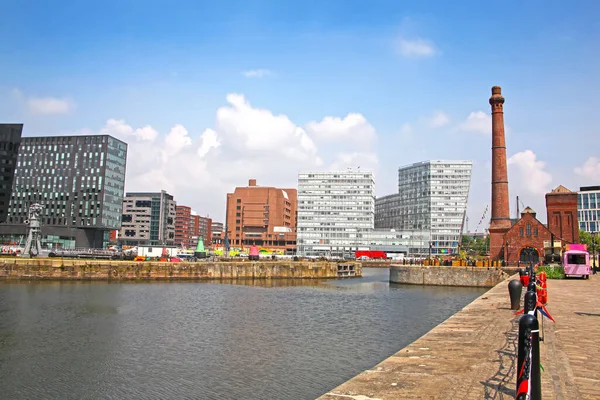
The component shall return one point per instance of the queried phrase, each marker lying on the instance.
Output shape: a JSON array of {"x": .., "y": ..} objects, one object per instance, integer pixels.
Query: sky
[{"x": 210, "y": 94}]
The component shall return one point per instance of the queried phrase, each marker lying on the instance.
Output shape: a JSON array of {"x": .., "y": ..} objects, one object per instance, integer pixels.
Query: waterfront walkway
[{"x": 472, "y": 355}]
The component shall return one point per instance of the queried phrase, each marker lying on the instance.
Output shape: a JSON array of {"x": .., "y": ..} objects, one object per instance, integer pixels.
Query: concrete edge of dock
[
  {"x": 107, "y": 270},
  {"x": 457, "y": 359}
]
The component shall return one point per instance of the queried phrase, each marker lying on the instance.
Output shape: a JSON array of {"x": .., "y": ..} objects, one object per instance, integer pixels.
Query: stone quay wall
[
  {"x": 77, "y": 269},
  {"x": 447, "y": 276}
]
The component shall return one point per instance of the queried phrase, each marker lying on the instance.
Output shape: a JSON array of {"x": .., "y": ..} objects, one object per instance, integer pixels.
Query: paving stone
[{"x": 472, "y": 355}]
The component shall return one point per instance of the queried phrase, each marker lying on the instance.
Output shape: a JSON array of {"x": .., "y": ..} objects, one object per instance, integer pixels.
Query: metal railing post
[{"x": 528, "y": 359}]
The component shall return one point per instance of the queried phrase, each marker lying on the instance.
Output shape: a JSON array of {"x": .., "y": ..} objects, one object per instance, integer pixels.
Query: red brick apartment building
[
  {"x": 262, "y": 215},
  {"x": 189, "y": 226}
]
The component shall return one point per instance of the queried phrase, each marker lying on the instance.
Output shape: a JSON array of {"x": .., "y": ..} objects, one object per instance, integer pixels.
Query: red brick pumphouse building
[
  {"x": 530, "y": 240},
  {"x": 527, "y": 239}
]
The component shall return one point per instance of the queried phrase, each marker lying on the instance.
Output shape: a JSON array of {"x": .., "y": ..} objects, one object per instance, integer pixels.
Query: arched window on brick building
[
  {"x": 521, "y": 231},
  {"x": 528, "y": 229}
]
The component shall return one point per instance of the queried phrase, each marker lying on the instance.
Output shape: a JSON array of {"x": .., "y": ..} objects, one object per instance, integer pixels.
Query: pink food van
[{"x": 576, "y": 261}]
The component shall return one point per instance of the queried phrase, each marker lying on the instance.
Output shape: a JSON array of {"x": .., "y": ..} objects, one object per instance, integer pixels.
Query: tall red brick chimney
[{"x": 500, "y": 222}]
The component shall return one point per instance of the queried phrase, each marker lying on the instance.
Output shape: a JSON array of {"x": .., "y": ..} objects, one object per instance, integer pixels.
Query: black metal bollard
[
  {"x": 515, "y": 287},
  {"x": 536, "y": 376},
  {"x": 528, "y": 359},
  {"x": 530, "y": 302},
  {"x": 532, "y": 286}
]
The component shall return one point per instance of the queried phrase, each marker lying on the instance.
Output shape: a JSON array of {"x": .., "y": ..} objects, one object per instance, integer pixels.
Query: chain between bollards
[{"x": 529, "y": 382}]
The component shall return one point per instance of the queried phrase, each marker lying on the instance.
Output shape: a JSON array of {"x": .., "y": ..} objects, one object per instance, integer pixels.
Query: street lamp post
[
  {"x": 594, "y": 265},
  {"x": 242, "y": 227},
  {"x": 430, "y": 244}
]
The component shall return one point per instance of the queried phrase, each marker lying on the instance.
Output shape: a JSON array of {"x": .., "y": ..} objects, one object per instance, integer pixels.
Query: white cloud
[
  {"x": 529, "y": 173},
  {"x": 367, "y": 161},
  {"x": 257, "y": 73},
  {"x": 352, "y": 127},
  {"x": 406, "y": 129},
  {"x": 177, "y": 139},
  {"x": 208, "y": 140},
  {"x": 118, "y": 127},
  {"x": 416, "y": 48},
  {"x": 439, "y": 119},
  {"x": 477, "y": 122},
  {"x": 43, "y": 105},
  {"x": 245, "y": 142},
  {"x": 590, "y": 169},
  {"x": 49, "y": 105}
]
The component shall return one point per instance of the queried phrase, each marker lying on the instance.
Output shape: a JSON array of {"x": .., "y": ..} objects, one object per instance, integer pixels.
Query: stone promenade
[{"x": 472, "y": 355}]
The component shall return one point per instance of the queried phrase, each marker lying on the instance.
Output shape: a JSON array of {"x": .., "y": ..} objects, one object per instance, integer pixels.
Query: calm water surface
[{"x": 282, "y": 340}]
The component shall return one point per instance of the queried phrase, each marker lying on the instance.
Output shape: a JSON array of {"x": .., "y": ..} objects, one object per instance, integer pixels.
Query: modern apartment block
[
  {"x": 335, "y": 212},
  {"x": 148, "y": 219},
  {"x": 413, "y": 244},
  {"x": 203, "y": 228},
  {"x": 432, "y": 196},
  {"x": 216, "y": 229},
  {"x": 10, "y": 139},
  {"x": 262, "y": 215},
  {"x": 79, "y": 180},
  {"x": 588, "y": 208},
  {"x": 184, "y": 226},
  {"x": 189, "y": 226},
  {"x": 387, "y": 211}
]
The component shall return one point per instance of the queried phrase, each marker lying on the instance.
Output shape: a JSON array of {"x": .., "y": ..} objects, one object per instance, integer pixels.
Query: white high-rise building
[
  {"x": 335, "y": 212},
  {"x": 432, "y": 196},
  {"x": 588, "y": 207}
]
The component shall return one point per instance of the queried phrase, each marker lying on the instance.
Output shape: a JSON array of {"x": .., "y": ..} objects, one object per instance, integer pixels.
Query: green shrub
[{"x": 552, "y": 271}]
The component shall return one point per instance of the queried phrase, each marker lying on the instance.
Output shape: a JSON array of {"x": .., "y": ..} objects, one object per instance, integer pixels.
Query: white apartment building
[
  {"x": 432, "y": 196},
  {"x": 588, "y": 208},
  {"x": 335, "y": 212}
]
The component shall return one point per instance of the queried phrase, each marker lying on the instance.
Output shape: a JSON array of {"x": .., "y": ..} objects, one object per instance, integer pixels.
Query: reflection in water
[{"x": 262, "y": 339}]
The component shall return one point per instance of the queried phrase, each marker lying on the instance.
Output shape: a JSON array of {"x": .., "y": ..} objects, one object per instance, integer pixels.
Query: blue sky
[{"x": 378, "y": 84}]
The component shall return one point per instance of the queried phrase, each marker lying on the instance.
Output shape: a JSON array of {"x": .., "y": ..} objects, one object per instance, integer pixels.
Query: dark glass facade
[
  {"x": 10, "y": 139},
  {"x": 78, "y": 179}
]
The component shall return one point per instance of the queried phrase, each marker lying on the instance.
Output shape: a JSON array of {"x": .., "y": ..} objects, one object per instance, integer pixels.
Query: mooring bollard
[
  {"x": 514, "y": 291},
  {"x": 532, "y": 285},
  {"x": 529, "y": 385},
  {"x": 530, "y": 303}
]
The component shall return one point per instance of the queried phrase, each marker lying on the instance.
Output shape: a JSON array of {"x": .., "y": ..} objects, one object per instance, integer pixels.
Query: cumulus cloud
[
  {"x": 590, "y": 169},
  {"x": 439, "y": 119},
  {"x": 352, "y": 127},
  {"x": 406, "y": 129},
  {"x": 43, "y": 105},
  {"x": 198, "y": 169},
  {"x": 415, "y": 48},
  {"x": 257, "y": 73},
  {"x": 366, "y": 161},
  {"x": 208, "y": 140},
  {"x": 477, "y": 122},
  {"x": 49, "y": 105},
  {"x": 529, "y": 173},
  {"x": 119, "y": 127}
]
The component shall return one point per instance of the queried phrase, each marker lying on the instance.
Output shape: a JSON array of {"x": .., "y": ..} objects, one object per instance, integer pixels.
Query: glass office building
[
  {"x": 588, "y": 208},
  {"x": 10, "y": 140},
  {"x": 432, "y": 197},
  {"x": 79, "y": 180},
  {"x": 335, "y": 212}
]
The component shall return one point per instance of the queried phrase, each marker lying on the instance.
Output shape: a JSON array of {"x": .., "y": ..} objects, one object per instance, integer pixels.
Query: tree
[
  {"x": 475, "y": 246},
  {"x": 592, "y": 241}
]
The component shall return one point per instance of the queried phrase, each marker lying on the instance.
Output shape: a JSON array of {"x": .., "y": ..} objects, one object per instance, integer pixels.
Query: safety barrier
[{"x": 529, "y": 382}]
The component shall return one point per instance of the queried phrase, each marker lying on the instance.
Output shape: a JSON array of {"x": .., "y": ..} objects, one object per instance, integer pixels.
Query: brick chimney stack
[{"x": 500, "y": 222}]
